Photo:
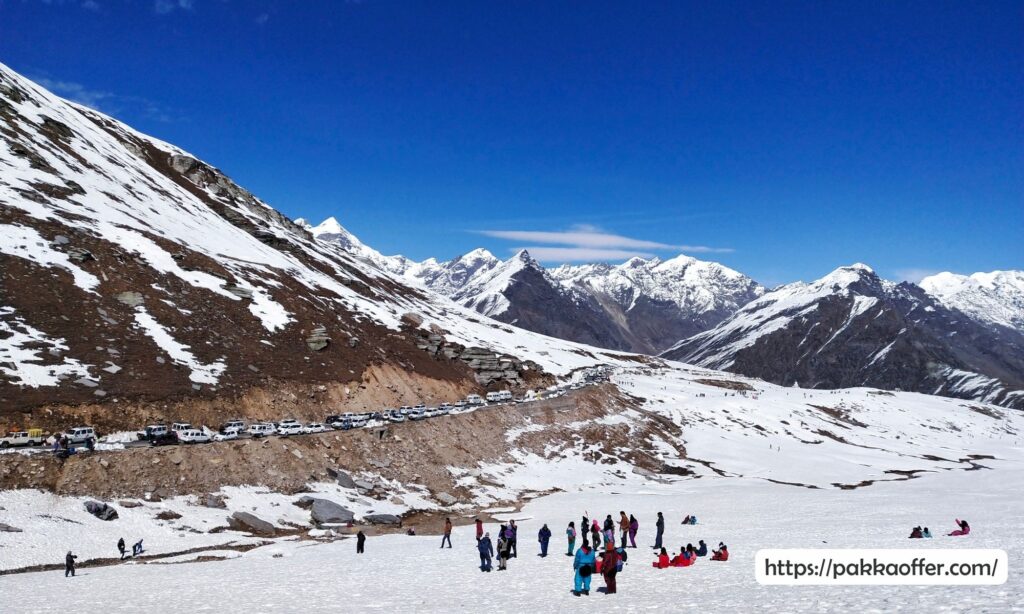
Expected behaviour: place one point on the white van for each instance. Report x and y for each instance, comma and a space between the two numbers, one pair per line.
261, 430
474, 399
499, 397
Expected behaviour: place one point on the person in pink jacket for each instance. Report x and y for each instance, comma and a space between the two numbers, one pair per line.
965, 529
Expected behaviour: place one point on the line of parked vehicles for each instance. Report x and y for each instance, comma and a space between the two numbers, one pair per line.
185, 433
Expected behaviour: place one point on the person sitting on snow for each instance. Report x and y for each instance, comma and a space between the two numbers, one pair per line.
662, 562
722, 554
702, 549
916, 533
965, 529
927, 533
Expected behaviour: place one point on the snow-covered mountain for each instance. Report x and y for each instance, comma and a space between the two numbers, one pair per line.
851, 328
640, 305
133, 273
995, 298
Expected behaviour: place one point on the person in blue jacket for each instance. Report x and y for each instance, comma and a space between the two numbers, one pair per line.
584, 564
570, 535
702, 548
544, 536
486, 552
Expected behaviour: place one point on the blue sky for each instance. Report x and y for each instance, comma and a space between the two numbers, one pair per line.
782, 139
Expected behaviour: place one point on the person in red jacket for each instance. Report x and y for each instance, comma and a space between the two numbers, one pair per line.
722, 554
662, 562
609, 567
479, 529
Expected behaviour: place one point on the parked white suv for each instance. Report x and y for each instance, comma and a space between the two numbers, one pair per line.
193, 436
261, 430
314, 427
81, 434
289, 428
33, 437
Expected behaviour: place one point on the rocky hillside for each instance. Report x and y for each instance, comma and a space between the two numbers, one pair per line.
851, 328
133, 274
640, 306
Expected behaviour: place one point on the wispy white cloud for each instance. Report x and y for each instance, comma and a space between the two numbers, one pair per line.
581, 254
163, 7
914, 275
104, 101
592, 237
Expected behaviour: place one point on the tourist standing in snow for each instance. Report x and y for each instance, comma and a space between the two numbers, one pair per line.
513, 539
137, 548
447, 533
609, 567
660, 526
121, 548
479, 528
595, 535
503, 549
544, 536
486, 551
623, 527
360, 542
634, 527
584, 565
69, 565
570, 536
585, 528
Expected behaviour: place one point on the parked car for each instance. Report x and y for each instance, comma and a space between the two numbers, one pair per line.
396, 416
314, 427
31, 437
416, 414
193, 436
181, 426
168, 438
81, 434
289, 428
474, 399
261, 430
226, 435
152, 431
233, 425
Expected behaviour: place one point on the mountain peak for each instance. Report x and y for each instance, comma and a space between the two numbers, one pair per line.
330, 226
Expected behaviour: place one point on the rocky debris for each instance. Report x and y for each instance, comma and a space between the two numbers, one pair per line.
353, 342
446, 498
250, 523
239, 291
168, 515
212, 500
132, 299
382, 519
380, 464
488, 366
364, 485
344, 479
127, 503
80, 255
328, 512
101, 510
318, 339
6, 528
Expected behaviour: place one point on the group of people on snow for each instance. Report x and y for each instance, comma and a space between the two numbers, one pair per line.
963, 529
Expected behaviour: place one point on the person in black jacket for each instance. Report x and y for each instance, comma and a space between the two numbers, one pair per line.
660, 525
360, 542
544, 536
121, 548
69, 565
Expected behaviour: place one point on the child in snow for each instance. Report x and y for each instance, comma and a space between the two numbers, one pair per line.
965, 529
663, 561
583, 565
722, 554
570, 536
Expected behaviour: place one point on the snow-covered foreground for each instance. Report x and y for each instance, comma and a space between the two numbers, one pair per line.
411, 574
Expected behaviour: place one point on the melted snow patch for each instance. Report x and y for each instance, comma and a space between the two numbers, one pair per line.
21, 348
179, 353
